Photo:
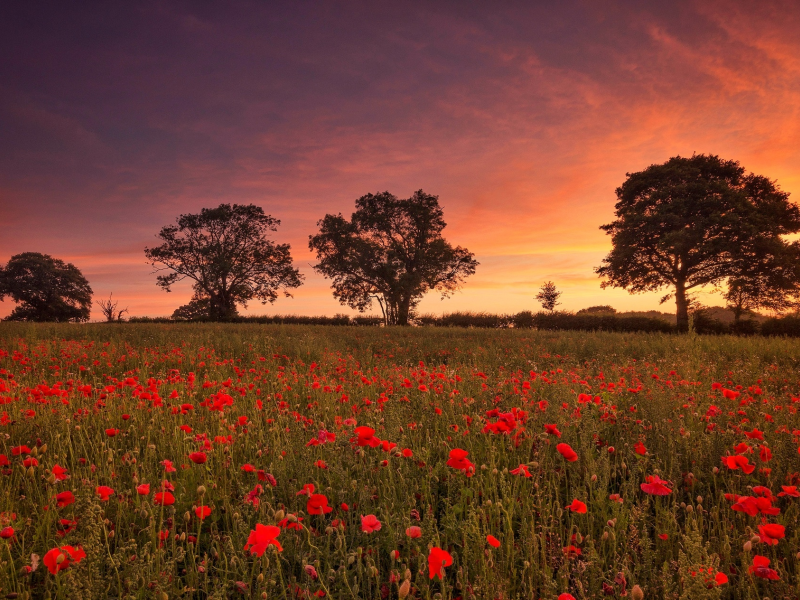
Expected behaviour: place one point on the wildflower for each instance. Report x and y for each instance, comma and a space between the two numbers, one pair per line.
370, 524
639, 448
318, 505
413, 532
493, 541
65, 498
567, 452
112, 432
552, 430
198, 458
789, 490
261, 537
760, 568
771, 533
202, 512
60, 473
577, 507
164, 499
104, 492
656, 486
7, 533
438, 559
458, 460
143, 489
61, 558
521, 470
738, 462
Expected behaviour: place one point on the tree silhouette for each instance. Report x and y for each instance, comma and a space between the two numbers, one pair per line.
392, 251
227, 255
45, 288
691, 222
548, 296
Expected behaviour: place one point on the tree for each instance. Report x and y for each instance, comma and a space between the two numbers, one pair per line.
548, 296
45, 288
773, 285
692, 222
109, 309
198, 309
225, 252
391, 250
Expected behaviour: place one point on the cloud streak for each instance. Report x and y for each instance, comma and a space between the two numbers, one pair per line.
524, 119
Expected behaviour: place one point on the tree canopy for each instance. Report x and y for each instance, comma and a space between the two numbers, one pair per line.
692, 222
45, 289
225, 252
391, 250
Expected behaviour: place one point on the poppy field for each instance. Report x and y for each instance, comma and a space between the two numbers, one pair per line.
227, 461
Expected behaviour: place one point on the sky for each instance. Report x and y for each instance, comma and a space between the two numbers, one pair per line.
523, 117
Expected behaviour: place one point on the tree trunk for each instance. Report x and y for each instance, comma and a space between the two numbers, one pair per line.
682, 312
403, 308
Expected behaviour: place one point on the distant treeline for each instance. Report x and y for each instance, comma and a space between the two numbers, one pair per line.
704, 322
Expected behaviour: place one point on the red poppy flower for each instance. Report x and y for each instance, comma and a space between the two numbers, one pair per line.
567, 452
771, 533
458, 460
407, 453
438, 559
7, 533
202, 512
656, 486
639, 448
247, 468
552, 430
17, 450
521, 470
261, 537
60, 473
493, 541
738, 462
760, 568
577, 507
566, 597
54, 562
789, 490
413, 532
318, 505
370, 524
143, 489
104, 492
112, 432
65, 498
765, 454
198, 458
164, 499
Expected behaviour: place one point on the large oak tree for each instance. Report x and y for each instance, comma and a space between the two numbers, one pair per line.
45, 289
391, 250
692, 222
226, 253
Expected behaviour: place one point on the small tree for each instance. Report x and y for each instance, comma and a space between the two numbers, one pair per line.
198, 309
227, 255
45, 288
392, 251
109, 309
548, 296
692, 222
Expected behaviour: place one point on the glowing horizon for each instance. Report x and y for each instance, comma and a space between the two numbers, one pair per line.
523, 120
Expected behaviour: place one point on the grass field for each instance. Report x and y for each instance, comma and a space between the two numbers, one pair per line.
203, 461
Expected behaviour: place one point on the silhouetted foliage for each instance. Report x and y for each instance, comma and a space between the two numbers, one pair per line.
227, 255
548, 296
45, 289
603, 309
692, 222
392, 251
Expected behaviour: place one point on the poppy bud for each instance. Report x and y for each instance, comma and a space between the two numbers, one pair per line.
404, 589
31, 472
35, 452
579, 537
43, 449
747, 546
689, 508
60, 558
279, 515
715, 470
407, 574
260, 578
201, 490
699, 499
755, 539
594, 478
187, 517
637, 593
605, 535
111, 534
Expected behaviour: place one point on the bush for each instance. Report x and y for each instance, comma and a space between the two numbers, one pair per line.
466, 319
567, 321
788, 326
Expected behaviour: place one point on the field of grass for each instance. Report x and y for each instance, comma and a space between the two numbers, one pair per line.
266, 461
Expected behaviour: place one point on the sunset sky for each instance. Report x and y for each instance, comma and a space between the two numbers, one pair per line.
523, 117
